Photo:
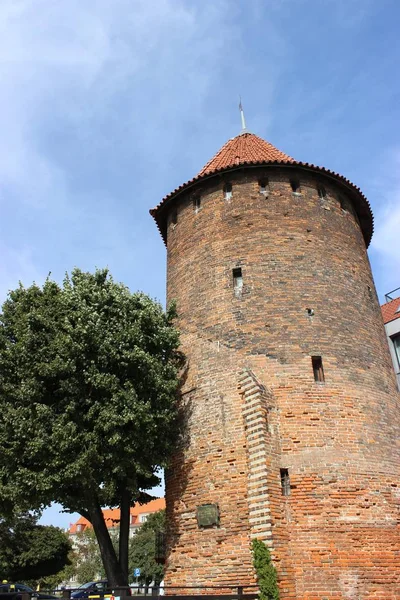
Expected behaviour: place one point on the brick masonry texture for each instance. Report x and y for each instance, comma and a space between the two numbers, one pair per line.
253, 406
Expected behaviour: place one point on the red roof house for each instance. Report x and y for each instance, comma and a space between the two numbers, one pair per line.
139, 514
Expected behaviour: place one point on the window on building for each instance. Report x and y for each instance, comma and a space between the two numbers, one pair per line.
143, 518
345, 204
237, 279
174, 217
228, 191
263, 186
197, 204
285, 482
321, 192
318, 368
396, 344
295, 185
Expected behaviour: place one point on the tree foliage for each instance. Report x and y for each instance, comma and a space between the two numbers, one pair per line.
266, 572
88, 382
52, 582
29, 551
89, 566
142, 549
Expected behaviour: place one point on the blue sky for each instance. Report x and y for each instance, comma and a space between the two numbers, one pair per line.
106, 107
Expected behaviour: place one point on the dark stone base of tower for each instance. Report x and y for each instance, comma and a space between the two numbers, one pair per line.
293, 409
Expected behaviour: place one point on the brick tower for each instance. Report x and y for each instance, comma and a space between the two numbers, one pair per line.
293, 414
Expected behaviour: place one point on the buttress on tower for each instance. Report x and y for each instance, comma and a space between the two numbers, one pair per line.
292, 406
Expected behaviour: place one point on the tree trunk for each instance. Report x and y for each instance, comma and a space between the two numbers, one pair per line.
124, 526
112, 567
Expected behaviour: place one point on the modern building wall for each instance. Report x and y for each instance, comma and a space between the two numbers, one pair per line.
254, 408
391, 318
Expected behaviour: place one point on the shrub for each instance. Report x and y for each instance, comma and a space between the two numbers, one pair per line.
265, 570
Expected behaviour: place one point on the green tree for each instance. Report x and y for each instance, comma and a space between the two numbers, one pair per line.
51, 582
29, 551
266, 572
142, 549
89, 565
88, 398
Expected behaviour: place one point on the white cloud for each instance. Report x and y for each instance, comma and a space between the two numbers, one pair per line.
64, 62
98, 82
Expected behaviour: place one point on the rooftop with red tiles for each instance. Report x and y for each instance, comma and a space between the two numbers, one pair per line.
242, 149
247, 150
112, 515
391, 310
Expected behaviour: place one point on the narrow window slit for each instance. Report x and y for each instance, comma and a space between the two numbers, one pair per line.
318, 368
345, 205
174, 217
322, 192
228, 191
197, 204
237, 280
295, 185
263, 186
285, 482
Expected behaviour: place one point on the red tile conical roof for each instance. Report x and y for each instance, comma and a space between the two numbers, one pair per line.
244, 149
247, 150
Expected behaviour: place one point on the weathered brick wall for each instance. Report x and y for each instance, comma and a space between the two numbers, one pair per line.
337, 535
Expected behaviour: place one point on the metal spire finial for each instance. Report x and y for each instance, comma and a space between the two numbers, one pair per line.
244, 130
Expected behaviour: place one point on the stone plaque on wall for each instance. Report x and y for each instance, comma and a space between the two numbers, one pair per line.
207, 515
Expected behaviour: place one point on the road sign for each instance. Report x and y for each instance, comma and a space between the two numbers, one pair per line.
136, 572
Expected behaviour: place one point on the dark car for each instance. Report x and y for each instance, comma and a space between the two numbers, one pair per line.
92, 588
20, 588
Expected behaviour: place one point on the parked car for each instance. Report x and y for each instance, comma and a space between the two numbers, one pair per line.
20, 587
90, 588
